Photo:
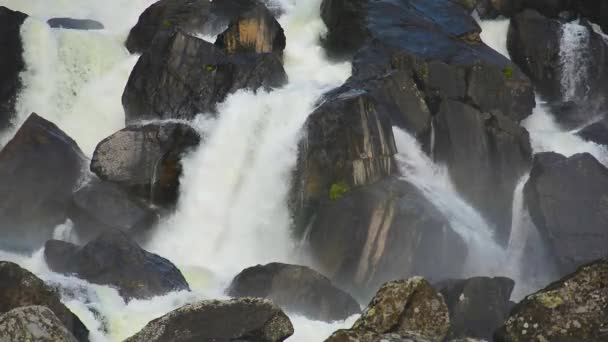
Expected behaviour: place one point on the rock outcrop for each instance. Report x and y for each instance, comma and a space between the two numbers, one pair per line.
596, 132
19, 288
246, 319
295, 289
75, 24
11, 63
403, 308
566, 198
146, 160
33, 323
39, 169
569, 310
100, 206
478, 306
393, 232
116, 260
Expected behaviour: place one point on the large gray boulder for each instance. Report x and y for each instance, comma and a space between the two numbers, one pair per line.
114, 259
33, 324
39, 169
297, 289
566, 198
20, 288
146, 160
11, 63
245, 319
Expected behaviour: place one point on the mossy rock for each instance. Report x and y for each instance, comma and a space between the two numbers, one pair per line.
338, 190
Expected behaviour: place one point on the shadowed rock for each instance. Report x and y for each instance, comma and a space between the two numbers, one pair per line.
75, 24
11, 63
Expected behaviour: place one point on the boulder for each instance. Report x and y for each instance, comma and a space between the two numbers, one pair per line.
489, 146
348, 143
571, 309
146, 160
11, 63
75, 24
245, 319
295, 289
404, 308
478, 306
347, 335
491, 9
114, 259
33, 323
209, 18
39, 169
20, 288
100, 206
596, 132
393, 232
185, 76
566, 198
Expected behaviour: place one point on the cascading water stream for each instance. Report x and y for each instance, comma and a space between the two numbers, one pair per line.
574, 56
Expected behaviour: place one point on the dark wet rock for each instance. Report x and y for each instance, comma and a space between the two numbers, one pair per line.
295, 289
596, 132
566, 198
115, 259
33, 323
187, 76
571, 309
75, 24
146, 159
404, 308
491, 9
575, 91
348, 143
204, 17
245, 319
19, 288
489, 146
39, 169
11, 63
100, 206
478, 306
393, 232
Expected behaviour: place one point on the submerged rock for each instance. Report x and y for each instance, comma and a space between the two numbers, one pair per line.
101, 206
404, 308
566, 198
186, 76
596, 132
571, 309
20, 288
11, 63
75, 24
33, 323
478, 306
246, 319
146, 159
114, 259
39, 169
296, 289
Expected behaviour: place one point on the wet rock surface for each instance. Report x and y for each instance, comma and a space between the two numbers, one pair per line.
116, 260
75, 24
33, 323
246, 319
11, 63
295, 288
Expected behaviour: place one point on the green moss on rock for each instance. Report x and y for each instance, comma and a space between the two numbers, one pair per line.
337, 190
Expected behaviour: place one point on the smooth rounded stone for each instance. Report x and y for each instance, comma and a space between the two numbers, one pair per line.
478, 306
393, 232
39, 169
75, 24
245, 319
19, 288
183, 76
99, 206
114, 259
296, 289
146, 160
571, 309
566, 198
11, 63
33, 324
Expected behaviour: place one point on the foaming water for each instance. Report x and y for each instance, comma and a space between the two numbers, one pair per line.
485, 255
494, 34
574, 55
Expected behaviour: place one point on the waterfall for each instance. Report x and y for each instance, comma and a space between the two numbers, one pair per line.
574, 56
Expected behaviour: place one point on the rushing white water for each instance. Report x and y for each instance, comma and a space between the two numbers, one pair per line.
494, 34
75, 78
485, 255
574, 58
